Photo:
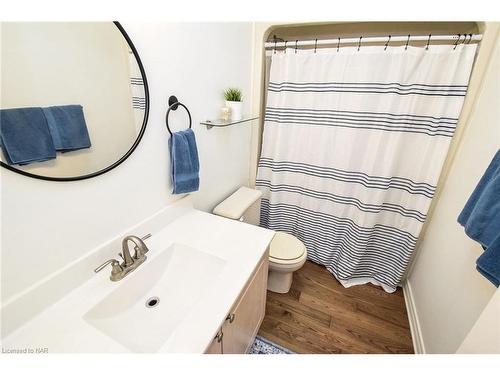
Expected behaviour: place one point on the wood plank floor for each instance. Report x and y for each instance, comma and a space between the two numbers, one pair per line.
319, 315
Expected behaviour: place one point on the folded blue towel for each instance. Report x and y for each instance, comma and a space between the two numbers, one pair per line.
185, 164
481, 219
67, 126
24, 136
488, 264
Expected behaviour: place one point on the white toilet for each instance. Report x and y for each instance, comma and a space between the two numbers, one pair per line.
286, 252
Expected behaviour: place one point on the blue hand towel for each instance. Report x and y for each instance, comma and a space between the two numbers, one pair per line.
68, 128
481, 219
185, 164
24, 136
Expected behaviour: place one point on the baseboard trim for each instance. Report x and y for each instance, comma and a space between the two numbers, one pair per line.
416, 332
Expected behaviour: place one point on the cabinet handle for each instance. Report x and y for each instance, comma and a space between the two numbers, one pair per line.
230, 317
219, 336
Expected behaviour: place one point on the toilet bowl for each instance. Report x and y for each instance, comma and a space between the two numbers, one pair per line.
287, 253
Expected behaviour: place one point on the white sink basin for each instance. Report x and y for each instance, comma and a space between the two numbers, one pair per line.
178, 277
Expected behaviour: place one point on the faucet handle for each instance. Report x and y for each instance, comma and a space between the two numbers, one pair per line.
114, 263
140, 251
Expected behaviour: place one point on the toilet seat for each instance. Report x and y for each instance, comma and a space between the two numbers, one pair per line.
286, 249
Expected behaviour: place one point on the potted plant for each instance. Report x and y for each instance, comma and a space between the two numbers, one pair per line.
233, 101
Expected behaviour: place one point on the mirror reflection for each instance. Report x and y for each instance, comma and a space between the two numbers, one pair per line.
72, 97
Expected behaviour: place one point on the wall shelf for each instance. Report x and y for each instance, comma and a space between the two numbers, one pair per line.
219, 123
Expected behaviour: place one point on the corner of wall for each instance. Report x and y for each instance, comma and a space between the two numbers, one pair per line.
416, 332
260, 32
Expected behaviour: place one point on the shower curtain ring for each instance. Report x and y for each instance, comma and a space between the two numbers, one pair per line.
470, 39
315, 45
407, 41
458, 40
296, 41
359, 43
275, 41
338, 44
386, 44
428, 41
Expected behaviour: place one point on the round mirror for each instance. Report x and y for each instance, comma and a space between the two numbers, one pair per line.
73, 98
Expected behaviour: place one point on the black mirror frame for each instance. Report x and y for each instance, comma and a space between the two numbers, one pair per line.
137, 140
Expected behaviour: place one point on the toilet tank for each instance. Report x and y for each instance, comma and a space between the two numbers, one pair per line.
243, 205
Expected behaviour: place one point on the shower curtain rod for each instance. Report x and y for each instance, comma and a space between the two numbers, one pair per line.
467, 38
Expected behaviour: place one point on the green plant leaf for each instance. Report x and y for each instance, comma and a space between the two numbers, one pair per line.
233, 95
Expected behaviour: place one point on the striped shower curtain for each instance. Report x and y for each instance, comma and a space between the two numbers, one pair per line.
354, 142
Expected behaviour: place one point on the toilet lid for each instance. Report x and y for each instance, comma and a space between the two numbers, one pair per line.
284, 246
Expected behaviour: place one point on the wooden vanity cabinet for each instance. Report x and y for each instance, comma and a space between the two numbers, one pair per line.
238, 332
216, 345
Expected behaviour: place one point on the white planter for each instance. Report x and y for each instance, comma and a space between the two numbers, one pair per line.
236, 110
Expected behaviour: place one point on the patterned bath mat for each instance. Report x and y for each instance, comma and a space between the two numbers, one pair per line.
263, 346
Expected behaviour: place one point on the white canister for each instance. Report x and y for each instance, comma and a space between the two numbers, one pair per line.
236, 110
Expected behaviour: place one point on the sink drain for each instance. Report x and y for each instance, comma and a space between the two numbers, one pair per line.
152, 302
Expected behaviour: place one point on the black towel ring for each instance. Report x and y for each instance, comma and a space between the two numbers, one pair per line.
173, 104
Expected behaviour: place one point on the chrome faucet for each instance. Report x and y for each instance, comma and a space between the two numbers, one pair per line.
130, 263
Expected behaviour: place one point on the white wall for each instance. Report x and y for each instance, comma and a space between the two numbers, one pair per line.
484, 337
46, 64
46, 225
448, 293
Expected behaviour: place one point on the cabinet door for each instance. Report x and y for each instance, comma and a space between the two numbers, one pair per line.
248, 313
216, 345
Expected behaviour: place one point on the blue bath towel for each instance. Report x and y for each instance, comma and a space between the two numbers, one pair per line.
185, 163
481, 220
24, 136
67, 126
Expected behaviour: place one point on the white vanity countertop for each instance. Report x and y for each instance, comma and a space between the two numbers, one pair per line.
62, 328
